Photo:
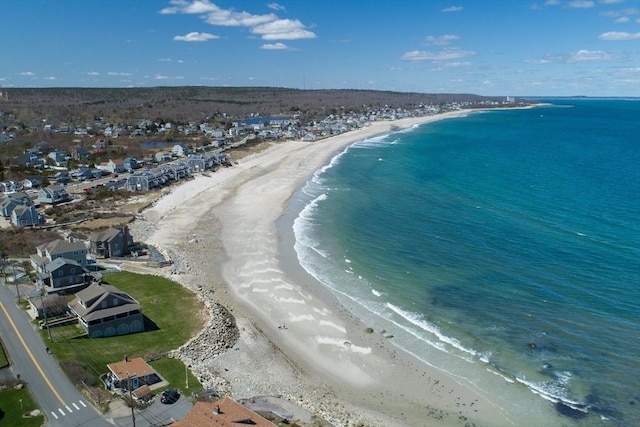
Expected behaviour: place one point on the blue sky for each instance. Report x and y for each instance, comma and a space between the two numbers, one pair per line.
486, 47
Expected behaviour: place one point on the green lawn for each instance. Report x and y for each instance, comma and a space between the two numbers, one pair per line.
14, 404
173, 370
172, 316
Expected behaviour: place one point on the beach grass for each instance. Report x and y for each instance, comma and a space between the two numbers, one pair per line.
172, 313
14, 405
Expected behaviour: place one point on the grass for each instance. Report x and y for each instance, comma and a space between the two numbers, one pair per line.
172, 316
173, 370
16, 403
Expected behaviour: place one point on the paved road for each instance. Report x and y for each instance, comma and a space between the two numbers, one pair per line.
60, 401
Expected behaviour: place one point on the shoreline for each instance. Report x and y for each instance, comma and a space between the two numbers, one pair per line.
234, 228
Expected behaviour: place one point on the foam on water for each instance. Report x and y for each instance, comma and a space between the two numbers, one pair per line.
523, 273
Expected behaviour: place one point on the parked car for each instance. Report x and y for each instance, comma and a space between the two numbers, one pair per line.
170, 395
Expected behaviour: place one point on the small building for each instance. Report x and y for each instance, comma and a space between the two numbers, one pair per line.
104, 310
130, 163
47, 306
131, 374
26, 216
53, 194
32, 182
224, 412
59, 158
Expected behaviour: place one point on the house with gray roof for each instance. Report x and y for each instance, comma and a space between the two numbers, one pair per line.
104, 310
69, 249
64, 274
53, 194
26, 216
112, 242
11, 201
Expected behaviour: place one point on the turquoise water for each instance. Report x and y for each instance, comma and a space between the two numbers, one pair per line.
504, 241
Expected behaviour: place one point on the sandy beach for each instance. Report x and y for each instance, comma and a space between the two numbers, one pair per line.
230, 236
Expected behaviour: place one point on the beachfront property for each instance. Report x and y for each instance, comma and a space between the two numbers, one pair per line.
103, 310
110, 243
224, 412
132, 374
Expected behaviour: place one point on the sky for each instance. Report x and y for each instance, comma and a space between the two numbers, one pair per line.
484, 47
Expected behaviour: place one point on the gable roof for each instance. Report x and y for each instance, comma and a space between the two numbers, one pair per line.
225, 412
60, 246
104, 235
136, 366
87, 303
59, 262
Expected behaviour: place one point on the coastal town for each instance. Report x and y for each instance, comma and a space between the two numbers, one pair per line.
93, 217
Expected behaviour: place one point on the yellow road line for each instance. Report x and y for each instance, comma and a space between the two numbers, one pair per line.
13, 325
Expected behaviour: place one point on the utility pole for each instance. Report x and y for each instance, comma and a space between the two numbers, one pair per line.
13, 268
133, 415
186, 375
44, 311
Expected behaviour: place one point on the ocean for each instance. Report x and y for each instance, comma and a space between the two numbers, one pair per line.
502, 247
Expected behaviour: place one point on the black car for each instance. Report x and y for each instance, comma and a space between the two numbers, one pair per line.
170, 395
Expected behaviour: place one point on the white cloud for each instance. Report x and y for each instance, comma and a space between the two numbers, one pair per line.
619, 35
611, 1
283, 29
115, 73
93, 73
268, 26
183, 6
274, 46
50, 78
196, 37
622, 20
552, 3
27, 73
275, 6
452, 9
440, 40
458, 64
581, 4
443, 55
163, 77
589, 55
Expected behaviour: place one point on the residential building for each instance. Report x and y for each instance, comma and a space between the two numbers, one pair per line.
12, 200
103, 311
131, 374
26, 216
69, 249
53, 194
64, 274
224, 412
112, 242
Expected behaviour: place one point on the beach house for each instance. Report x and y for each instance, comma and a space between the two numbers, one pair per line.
103, 310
